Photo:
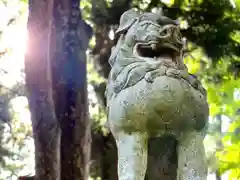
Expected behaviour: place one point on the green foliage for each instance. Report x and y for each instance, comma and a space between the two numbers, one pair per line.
222, 87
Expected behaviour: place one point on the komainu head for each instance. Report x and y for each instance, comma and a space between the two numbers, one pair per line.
148, 56
151, 35
149, 44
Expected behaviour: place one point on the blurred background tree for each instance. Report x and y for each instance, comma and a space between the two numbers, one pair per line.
212, 29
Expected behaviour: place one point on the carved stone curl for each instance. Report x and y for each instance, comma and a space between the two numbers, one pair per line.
151, 93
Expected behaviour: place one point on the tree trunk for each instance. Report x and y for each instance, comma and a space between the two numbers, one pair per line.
71, 37
55, 68
46, 131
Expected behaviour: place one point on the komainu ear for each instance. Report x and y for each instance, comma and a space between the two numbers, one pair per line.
126, 21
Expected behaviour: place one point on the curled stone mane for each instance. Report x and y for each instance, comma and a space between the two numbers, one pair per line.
127, 70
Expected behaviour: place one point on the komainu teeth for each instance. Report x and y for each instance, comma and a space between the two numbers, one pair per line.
153, 46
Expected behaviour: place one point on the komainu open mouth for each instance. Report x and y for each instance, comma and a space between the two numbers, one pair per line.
157, 51
166, 52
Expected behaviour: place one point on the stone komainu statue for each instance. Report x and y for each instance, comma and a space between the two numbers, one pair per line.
151, 94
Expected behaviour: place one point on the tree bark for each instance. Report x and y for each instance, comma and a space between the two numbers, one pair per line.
46, 131
71, 37
55, 66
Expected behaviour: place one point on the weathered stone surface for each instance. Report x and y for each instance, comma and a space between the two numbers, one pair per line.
151, 94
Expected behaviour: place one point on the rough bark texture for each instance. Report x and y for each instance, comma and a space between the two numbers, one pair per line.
71, 36
46, 130
57, 86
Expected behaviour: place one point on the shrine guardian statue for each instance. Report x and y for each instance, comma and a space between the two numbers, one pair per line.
150, 94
